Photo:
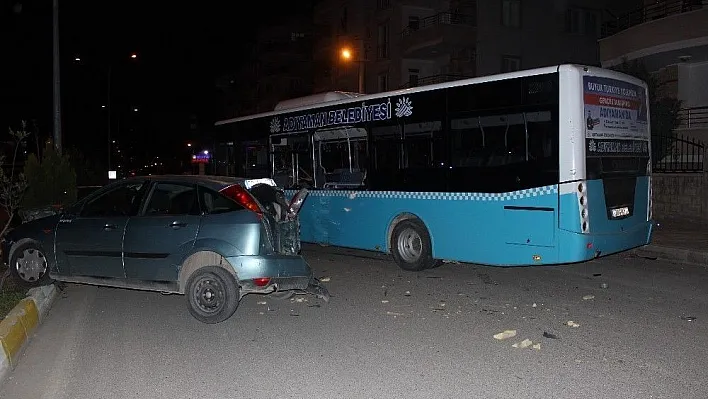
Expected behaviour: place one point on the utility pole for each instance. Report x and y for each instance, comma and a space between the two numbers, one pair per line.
57, 85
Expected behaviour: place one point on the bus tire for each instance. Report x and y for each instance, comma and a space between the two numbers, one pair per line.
411, 247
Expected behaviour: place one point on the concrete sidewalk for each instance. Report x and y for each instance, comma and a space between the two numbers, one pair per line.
678, 241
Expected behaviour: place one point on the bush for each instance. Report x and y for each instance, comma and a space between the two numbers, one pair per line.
51, 180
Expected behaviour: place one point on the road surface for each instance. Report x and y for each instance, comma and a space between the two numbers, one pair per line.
387, 333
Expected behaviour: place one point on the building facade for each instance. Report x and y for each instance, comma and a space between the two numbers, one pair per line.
402, 43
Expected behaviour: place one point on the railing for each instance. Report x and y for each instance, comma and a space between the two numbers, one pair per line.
696, 117
443, 18
677, 154
429, 80
658, 10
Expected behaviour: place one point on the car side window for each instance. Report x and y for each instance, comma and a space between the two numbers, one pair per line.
123, 200
214, 202
172, 199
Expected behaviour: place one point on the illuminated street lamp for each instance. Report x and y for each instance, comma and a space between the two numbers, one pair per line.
133, 55
346, 54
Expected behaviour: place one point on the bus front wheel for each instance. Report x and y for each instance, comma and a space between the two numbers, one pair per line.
411, 247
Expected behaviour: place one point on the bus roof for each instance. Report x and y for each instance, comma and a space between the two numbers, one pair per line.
336, 98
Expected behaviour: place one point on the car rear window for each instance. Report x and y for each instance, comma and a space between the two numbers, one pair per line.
214, 202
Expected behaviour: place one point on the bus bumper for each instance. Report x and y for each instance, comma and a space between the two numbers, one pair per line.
599, 245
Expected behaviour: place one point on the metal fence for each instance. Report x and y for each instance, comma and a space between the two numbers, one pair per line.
657, 10
677, 154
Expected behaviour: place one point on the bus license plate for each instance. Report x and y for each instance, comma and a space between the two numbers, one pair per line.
620, 212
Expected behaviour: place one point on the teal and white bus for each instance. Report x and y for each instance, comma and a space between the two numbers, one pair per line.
536, 167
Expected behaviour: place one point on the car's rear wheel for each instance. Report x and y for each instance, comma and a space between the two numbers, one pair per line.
212, 294
29, 266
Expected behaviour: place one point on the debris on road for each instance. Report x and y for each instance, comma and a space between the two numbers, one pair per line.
408, 293
325, 279
505, 335
549, 335
523, 344
537, 346
534, 305
688, 318
588, 297
262, 302
573, 324
384, 301
603, 285
394, 314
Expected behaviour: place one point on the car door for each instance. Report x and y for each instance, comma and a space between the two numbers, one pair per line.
90, 242
157, 240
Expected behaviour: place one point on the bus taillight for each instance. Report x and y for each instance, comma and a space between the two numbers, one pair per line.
583, 204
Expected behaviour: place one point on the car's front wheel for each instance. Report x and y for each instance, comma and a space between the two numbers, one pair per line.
29, 266
212, 294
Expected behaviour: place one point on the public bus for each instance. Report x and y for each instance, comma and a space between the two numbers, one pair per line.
536, 167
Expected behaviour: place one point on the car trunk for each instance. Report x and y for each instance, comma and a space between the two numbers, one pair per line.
280, 217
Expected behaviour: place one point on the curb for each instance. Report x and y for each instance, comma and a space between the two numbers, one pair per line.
17, 328
688, 256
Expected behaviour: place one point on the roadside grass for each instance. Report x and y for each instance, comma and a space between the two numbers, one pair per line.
10, 294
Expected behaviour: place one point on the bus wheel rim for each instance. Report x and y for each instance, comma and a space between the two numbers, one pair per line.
410, 245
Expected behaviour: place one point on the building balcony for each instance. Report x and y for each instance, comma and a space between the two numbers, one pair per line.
430, 80
660, 34
693, 118
437, 35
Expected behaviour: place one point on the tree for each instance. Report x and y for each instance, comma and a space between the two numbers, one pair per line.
664, 110
51, 179
12, 185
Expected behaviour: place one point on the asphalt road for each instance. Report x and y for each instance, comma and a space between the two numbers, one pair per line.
387, 333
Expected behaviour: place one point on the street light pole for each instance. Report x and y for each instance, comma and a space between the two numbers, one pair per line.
56, 73
361, 76
108, 104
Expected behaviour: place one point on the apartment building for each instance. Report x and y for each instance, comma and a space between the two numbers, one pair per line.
670, 37
392, 44
278, 65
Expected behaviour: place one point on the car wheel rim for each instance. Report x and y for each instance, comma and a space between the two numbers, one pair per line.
31, 265
209, 294
410, 245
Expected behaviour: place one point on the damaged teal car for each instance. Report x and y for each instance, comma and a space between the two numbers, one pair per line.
213, 239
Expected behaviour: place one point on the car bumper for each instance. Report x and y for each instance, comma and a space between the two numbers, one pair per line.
271, 266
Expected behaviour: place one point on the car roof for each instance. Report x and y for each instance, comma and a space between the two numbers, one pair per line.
213, 182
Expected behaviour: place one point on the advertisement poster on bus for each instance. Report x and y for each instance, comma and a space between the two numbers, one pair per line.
616, 116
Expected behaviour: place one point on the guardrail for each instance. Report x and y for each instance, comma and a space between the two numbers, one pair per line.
658, 10
695, 117
443, 18
429, 80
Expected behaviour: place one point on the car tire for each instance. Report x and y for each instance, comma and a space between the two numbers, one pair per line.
212, 294
29, 266
411, 247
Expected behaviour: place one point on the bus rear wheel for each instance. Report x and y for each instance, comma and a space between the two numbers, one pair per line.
411, 247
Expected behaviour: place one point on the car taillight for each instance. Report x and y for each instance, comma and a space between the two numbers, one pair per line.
261, 282
243, 197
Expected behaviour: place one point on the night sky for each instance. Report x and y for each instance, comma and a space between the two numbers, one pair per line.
180, 50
